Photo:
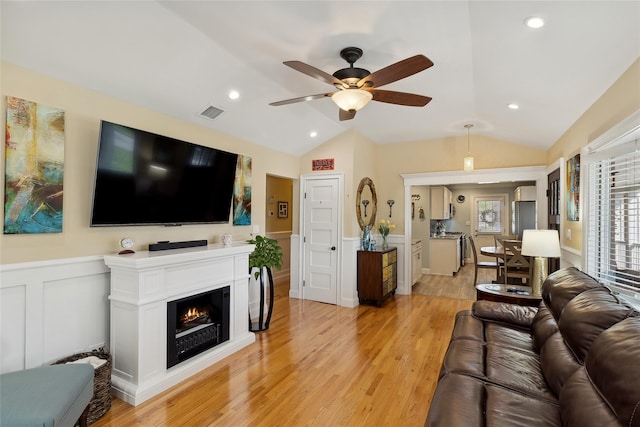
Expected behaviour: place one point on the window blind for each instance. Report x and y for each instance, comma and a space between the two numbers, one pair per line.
612, 173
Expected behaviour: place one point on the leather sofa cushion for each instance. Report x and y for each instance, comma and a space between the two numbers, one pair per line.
508, 408
605, 391
563, 285
511, 314
582, 406
508, 367
613, 367
558, 362
464, 356
465, 401
517, 370
542, 327
467, 326
496, 333
458, 401
587, 315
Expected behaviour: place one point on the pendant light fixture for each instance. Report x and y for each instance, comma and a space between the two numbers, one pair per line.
468, 161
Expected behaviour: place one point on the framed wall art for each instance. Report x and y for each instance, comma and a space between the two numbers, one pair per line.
283, 209
573, 188
242, 192
34, 167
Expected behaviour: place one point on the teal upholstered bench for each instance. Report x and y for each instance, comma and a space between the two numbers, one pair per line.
50, 396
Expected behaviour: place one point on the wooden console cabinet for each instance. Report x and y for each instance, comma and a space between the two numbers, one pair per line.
377, 275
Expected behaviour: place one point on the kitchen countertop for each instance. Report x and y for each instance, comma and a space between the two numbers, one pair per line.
447, 237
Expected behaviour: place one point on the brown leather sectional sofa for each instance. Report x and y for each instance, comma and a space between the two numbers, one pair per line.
574, 361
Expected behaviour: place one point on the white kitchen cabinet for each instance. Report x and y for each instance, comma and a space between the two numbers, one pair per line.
440, 203
416, 261
525, 193
445, 256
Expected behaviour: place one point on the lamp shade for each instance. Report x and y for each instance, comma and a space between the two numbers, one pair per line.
541, 243
351, 99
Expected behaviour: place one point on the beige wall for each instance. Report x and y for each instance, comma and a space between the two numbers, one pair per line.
83, 110
617, 103
354, 156
278, 190
442, 154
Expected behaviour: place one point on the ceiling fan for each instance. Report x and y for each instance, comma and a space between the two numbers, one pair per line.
357, 86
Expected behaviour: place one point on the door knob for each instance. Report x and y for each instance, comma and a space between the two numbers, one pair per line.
333, 248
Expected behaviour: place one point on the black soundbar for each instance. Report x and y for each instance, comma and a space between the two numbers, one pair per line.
163, 246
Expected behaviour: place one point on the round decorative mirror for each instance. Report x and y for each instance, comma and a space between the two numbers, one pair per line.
366, 203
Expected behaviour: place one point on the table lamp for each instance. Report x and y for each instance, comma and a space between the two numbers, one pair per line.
540, 245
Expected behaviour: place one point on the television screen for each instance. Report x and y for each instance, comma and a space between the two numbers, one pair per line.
148, 179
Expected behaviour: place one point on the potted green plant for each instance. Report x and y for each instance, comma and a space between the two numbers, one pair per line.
266, 255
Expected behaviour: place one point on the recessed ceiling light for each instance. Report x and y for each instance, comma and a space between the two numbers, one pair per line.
313, 134
513, 106
534, 22
234, 94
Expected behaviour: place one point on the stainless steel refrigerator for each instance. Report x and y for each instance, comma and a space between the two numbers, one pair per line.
523, 217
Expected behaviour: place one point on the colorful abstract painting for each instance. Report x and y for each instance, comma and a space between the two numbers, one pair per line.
573, 188
242, 192
34, 168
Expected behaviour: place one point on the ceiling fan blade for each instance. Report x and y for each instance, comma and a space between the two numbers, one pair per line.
397, 71
346, 115
300, 99
400, 98
314, 72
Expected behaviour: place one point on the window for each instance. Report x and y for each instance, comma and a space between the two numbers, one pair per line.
612, 173
490, 214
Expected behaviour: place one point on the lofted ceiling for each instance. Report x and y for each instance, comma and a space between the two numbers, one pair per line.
180, 57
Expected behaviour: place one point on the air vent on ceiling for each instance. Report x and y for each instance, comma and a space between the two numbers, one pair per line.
212, 112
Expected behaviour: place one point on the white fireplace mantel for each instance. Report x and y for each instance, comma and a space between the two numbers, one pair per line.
142, 284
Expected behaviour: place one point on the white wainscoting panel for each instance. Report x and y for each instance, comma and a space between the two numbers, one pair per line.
348, 288
52, 309
13, 306
295, 278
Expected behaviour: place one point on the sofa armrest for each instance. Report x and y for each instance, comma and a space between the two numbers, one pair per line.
513, 314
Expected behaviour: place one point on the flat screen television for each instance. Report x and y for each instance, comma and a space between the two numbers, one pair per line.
147, 179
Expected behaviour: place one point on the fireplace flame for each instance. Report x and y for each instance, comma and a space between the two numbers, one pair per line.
192, 314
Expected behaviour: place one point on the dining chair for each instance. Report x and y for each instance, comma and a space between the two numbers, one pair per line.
516, 265
498, 238
495, 265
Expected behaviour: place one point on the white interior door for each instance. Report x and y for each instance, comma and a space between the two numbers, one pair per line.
320, 240
490, 218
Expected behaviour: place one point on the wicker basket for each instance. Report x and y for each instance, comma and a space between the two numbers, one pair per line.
101, 401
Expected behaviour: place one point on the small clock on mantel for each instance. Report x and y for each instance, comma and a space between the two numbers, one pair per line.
126, 243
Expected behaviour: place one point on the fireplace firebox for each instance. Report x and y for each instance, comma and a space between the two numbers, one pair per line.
197, 323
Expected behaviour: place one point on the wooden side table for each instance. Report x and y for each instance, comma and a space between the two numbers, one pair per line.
377, 274
511, 294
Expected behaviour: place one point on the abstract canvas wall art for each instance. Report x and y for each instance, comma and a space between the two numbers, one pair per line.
34, 168
573, 188
242, 192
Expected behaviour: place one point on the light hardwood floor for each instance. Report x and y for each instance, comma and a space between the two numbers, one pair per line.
318, 365
458, 286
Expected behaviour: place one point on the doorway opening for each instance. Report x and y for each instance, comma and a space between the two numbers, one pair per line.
461, 183
279, 220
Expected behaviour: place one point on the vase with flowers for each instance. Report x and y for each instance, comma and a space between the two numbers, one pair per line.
384, 227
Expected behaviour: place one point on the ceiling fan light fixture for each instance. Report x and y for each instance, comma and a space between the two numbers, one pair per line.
351, 99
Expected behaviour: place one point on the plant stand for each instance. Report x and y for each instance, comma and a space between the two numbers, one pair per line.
263, 324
